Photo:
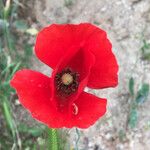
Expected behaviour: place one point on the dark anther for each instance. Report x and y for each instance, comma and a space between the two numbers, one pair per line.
66, 82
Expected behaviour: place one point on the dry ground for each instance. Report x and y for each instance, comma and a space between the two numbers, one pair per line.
126, 22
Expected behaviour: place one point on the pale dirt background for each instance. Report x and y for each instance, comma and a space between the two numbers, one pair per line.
126, 22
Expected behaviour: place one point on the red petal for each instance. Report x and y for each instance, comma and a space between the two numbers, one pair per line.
89, 109
33, 89
54, 41
104, 72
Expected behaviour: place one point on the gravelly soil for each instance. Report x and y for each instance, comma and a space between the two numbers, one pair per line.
126, 22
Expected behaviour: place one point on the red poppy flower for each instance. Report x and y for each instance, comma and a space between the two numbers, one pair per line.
80, 56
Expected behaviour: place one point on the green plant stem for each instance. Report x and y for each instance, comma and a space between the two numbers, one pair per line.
52, 139
78, 138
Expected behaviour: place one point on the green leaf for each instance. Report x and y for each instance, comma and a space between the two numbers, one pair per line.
16, 67
131, 86
10, 40
21, 25
145, 50
1, 49
32, 31
8, 116
1, 8
28, 50
5, 70
32, 131
7, 10
133, 117
35, 132
68, 3
3, 61
122, 135
142, 94
3, 24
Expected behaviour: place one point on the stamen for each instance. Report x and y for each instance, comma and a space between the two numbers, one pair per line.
75, 109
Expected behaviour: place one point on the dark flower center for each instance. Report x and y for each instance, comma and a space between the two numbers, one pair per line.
66, 82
